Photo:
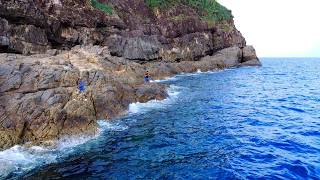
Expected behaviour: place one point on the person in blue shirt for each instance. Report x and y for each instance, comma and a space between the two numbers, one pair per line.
81, 86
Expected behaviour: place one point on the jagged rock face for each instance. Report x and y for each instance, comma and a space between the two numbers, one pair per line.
28, 39
180, 30
140, 47
227, 35
188, 47
59, 23
134, 31
135, 14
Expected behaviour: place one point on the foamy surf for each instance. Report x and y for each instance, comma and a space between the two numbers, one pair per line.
115, 126
21, 159
173, 92
167, 79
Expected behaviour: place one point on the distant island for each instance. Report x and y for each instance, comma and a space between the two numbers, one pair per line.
49, 47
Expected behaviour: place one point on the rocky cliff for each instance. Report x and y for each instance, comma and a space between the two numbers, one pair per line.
47, 46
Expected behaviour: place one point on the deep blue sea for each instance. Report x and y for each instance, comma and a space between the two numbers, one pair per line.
245, 123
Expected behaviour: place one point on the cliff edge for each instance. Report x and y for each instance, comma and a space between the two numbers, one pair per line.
47, 46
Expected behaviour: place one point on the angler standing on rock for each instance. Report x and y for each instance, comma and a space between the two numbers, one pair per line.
81, 86
82, 89
146, 77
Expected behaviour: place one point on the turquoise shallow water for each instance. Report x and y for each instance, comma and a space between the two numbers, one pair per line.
245, 123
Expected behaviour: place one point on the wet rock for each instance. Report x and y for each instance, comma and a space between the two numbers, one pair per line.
108, 102
150, 91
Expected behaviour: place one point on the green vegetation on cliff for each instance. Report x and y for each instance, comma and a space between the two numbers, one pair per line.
103, 7
210, 10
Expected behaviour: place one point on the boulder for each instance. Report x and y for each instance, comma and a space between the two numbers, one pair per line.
249, 53
249, 57
229, 57
150, 91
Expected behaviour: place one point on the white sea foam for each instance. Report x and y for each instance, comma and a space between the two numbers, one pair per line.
173, 78
67, 143
21, 159
115, 126
173, 93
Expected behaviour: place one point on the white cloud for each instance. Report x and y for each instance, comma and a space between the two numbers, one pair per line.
279, 27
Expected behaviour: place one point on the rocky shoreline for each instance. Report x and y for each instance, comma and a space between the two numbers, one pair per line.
49, 46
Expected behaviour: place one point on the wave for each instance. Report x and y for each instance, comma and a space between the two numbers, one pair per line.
173, 92
22, 158
19, 159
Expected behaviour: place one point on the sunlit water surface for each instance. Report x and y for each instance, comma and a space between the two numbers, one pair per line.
242, 123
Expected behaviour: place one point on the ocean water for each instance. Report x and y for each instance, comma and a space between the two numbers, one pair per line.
246, 123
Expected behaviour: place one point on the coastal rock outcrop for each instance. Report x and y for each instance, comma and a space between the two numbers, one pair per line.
47, 47
249, 57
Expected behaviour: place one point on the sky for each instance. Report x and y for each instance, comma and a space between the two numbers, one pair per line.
279, 28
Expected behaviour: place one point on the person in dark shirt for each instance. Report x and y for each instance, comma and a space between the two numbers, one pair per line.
146, 77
